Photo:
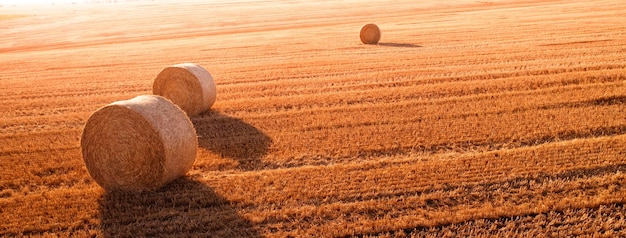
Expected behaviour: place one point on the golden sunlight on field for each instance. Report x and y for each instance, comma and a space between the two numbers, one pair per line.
468, 118
10, 17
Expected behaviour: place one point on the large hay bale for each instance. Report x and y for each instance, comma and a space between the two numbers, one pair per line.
188, 85
370, 34
138, 144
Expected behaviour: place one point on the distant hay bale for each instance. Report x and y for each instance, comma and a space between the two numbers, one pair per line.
370, 34
138, 144
188, 85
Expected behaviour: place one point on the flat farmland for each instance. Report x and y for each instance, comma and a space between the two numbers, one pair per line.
469, 118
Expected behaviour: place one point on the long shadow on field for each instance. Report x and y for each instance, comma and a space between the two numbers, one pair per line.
402, 45
232, 138
183, 208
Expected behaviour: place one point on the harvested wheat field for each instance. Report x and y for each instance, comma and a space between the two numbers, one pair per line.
468, 118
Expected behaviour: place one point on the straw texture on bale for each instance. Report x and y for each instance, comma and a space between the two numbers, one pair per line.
188, 85
138, 144
370, 34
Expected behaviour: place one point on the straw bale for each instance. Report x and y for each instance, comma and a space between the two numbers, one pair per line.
370, 34
188, 85
138, 144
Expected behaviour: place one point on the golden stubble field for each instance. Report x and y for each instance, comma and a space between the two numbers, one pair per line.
469, 118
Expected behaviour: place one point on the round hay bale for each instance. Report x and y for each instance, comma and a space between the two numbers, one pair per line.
370, 34
188, 85
138, 144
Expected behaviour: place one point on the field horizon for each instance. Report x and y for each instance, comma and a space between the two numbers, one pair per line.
469, 118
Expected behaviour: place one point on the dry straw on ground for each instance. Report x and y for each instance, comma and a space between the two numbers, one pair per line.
370, 34
138, 144
188, 85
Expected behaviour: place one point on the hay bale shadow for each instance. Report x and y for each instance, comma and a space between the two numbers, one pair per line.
401, 45
183, 208
232, 138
